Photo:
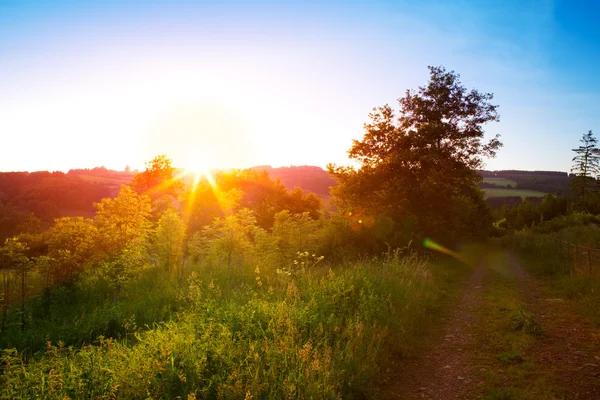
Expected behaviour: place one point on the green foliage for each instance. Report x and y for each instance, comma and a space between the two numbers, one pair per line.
225, 241
523, 320
71, 243
231, 191
544, 215
169, 241
325, 334
123, 229
78, 315
509, 357
545, 257
501, 394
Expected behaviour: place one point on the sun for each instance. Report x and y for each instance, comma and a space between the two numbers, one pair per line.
200, 171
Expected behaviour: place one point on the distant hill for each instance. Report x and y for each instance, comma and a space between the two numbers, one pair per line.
513, 186
543, 182
306, 177
109, 178
509, 184
48, 195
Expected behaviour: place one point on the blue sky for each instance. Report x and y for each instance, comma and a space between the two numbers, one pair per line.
236, 84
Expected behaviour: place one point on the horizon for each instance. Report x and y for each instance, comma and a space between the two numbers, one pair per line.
136, 170
280, 84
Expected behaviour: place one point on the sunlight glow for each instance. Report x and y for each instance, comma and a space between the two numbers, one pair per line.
200, 173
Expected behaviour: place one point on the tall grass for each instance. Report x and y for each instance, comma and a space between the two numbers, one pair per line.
80, 314
327, 332
541, 254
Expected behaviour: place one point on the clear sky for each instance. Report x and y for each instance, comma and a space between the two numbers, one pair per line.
240, 83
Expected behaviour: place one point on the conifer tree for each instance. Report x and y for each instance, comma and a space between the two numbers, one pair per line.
586, 166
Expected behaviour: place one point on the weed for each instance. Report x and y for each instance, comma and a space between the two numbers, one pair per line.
510, 357
522, 320
501, 394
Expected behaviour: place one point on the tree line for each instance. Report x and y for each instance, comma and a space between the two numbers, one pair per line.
554, 212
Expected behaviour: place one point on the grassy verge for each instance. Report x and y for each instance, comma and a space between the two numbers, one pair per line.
543, 257
325, 333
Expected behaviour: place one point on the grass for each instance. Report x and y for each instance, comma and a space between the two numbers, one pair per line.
543, 257
497, 192
326, 333
500, 181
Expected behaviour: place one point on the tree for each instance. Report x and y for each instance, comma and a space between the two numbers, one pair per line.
21, 265
418, 166
157, 181
157, 178
170, 235
123, 229
586, 166
71, 247
225, 240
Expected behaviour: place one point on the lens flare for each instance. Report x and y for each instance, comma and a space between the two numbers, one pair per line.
430, 244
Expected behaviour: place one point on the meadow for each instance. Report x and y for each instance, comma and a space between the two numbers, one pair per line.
255, 303
523, 193
326, 331
500, 181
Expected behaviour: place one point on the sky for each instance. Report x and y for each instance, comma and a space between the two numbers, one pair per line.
234, 84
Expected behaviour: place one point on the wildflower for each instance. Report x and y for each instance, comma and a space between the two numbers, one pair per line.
304, 352
315, 365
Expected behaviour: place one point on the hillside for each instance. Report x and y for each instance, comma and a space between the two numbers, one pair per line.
554, 182
502, 186
307, 177
49, 195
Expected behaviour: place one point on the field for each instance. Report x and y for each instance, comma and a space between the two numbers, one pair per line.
500, 181
325, 333
106, 180
496, 192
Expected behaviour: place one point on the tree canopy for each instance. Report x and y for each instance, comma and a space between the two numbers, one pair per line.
418, 165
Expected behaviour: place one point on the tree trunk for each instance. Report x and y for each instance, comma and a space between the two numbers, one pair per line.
117, 293
23, 301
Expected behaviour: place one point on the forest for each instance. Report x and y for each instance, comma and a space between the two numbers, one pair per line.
272, 283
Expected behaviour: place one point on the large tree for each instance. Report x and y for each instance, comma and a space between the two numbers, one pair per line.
586, 166
417, 171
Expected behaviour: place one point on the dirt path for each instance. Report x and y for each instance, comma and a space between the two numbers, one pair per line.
444, 370
476, 352
570, 346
